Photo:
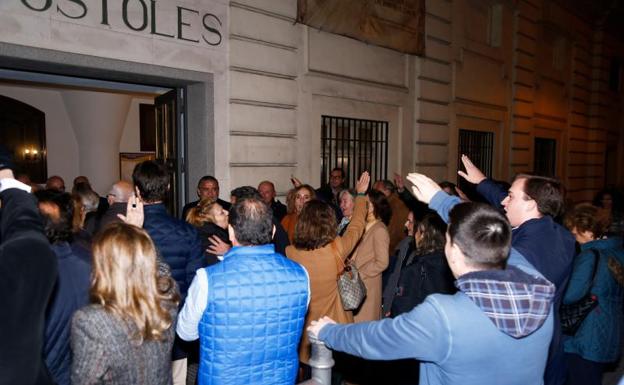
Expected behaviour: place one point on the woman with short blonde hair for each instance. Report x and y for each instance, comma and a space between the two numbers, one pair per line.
125, 336
211, 220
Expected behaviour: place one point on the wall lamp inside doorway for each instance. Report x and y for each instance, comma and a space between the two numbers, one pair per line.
31, 154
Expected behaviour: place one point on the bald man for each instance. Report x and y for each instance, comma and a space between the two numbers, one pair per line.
117, 198
267, 192
56, 183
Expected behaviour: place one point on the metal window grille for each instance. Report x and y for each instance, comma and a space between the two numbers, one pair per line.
545, 157
355, 145
479, 146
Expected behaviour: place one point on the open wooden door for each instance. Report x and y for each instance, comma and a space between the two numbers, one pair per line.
170, 144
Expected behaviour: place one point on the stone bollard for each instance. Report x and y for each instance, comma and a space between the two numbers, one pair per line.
321, 362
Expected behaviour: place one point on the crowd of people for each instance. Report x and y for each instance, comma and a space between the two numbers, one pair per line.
115, 290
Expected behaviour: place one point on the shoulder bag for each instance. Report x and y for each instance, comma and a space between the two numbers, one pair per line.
572, 315
350, 285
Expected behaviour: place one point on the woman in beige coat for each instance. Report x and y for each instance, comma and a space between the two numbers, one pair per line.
371, 256
322, 253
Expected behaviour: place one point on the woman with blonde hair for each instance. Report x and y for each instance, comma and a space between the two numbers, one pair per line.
211, 220
125, 336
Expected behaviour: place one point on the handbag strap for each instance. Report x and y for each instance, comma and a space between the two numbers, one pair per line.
340, 265
596, 261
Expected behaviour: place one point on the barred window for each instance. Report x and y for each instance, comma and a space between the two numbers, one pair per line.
355, 145
479, 147
545, 157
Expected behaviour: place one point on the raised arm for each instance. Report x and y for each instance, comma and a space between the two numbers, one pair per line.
428, 191
490, 190
356, 227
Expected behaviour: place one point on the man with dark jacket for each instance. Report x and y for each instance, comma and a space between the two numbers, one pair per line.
177, 242
207, 188
28, 270
266, 189
530, 205
71, 291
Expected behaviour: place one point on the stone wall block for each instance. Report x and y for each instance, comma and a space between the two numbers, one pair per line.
264, 150
267, 89
253, 118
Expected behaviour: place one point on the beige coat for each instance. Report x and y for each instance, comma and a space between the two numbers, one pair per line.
371, 259
323, 266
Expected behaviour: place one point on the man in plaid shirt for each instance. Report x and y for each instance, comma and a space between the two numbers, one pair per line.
495, 330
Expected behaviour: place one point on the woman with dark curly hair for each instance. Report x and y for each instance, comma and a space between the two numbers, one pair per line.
611, 201
371, 256
598, 269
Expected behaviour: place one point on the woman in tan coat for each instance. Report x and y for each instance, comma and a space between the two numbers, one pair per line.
322, 253
371, 256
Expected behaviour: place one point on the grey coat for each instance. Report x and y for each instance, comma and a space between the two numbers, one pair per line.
105, 354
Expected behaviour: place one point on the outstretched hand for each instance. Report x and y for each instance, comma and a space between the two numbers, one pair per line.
315, 326
398, 182
362, 184
134, 212
295, 181
472, 174
424, 188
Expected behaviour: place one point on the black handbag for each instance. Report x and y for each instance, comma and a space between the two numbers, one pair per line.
572, 315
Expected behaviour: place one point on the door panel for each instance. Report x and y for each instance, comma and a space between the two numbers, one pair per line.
169, 143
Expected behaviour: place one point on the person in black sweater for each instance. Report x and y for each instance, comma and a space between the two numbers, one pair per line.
28, 270
210, 219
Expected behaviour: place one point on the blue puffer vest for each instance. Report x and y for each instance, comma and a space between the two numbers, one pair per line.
250, 330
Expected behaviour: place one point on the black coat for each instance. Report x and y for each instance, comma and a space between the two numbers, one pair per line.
421, 276
28, 270
205, 232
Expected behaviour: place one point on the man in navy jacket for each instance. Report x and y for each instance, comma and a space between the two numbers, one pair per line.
530, 205
71, 291
177, 242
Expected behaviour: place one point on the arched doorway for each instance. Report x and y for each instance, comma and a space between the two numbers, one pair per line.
22, 131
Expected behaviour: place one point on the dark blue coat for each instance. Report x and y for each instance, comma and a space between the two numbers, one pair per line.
599, 338
177, 243
71, 292
549, 247
27, 274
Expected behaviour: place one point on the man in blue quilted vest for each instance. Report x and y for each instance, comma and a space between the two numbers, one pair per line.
247, 311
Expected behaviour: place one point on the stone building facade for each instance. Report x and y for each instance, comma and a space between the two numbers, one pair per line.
258, 83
